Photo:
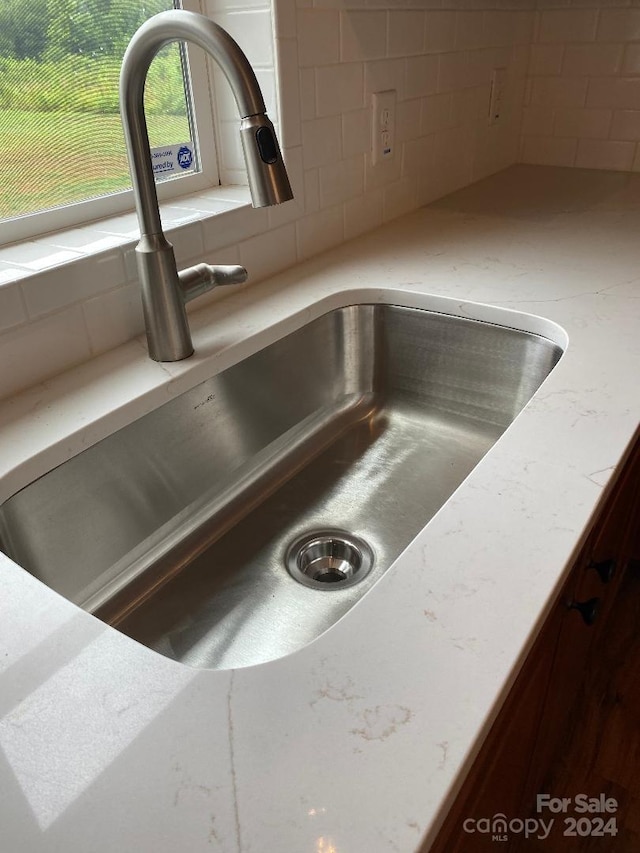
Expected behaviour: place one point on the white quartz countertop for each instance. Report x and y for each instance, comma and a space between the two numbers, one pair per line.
357, 742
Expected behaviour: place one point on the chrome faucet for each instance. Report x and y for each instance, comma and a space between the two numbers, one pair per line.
165, 291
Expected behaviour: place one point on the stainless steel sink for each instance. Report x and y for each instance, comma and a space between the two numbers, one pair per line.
239, 521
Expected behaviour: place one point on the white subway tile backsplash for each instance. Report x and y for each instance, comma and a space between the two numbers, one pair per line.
499, 28
496, 145
45, 293
440, 31
363, 35
626, 125
341, 181
519, 62
321, 141
560, 92
217, 6
480, 64
33, 352
453, 154
384, 74
417, 155
546, 60
12, 309
549, 151
592, 60
592, 45
605, 154
114, 318
400, 198
631, 61
619, 25
583, 123
421, 76
356, 131
469, 30
320, 231
269, 253
234, 226
252, 29
318, 36
436, 113
470, 104
230, 150
382, 174
311, 191
290, 99
525, 27
568, 25
614, 93
307, 94
406, 33
362, 214
187, 241
339, 88
408, 114
284, 18
452, 71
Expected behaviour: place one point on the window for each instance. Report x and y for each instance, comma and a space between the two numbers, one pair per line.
63, 155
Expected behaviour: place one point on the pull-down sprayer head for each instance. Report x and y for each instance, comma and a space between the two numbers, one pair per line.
268, 180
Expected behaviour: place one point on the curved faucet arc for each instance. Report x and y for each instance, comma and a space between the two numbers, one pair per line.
164, 289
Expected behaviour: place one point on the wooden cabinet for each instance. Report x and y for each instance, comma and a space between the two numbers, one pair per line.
515, 758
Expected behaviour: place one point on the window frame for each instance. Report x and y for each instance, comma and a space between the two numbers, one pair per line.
30, 226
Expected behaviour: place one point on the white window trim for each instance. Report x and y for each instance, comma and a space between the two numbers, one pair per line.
34, 225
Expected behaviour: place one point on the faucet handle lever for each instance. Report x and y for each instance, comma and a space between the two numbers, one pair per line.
199, 279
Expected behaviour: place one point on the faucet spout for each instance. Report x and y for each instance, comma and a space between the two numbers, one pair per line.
163, 291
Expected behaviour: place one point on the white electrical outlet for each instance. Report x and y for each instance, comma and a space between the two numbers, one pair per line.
496, 96
383, 141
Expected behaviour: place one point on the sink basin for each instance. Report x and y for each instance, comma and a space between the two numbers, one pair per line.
236, 523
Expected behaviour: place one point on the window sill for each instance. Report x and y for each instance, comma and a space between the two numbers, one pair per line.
40, 277
58, 248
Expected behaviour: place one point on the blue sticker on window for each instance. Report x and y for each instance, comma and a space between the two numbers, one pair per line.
185, 157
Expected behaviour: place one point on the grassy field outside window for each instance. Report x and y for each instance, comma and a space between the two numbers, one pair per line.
60, 132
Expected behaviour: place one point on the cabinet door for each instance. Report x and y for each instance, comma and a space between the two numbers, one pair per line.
596, 578
496, 782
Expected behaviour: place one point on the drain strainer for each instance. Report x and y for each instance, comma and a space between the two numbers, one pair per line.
329, 559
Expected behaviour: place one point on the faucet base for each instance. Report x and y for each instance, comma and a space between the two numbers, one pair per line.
168, 334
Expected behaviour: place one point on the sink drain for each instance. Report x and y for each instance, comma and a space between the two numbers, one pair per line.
329, 559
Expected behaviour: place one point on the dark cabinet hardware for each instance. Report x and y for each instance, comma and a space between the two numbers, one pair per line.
587, 609
606, 569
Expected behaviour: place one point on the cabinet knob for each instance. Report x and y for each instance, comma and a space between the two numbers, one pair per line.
587, 609
606, 569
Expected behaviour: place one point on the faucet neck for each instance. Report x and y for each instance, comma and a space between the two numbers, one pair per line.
158, 31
